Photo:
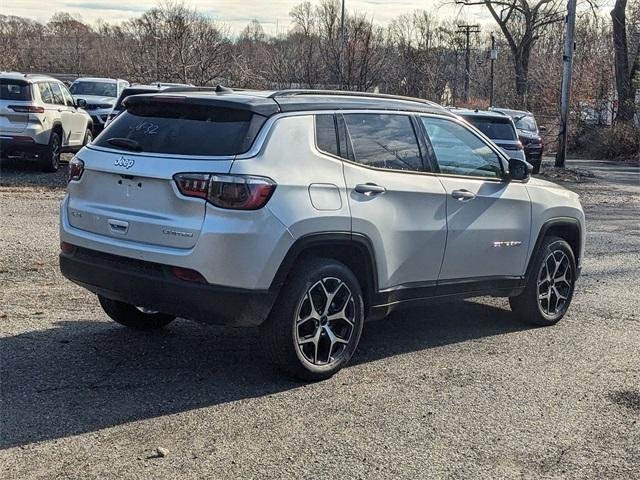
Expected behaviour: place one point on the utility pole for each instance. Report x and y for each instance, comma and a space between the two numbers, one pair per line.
567, 59
341, 53
467, 30
157, 60
493, 55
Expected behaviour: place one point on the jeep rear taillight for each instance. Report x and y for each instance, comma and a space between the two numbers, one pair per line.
76, 169
236, 192
26, 108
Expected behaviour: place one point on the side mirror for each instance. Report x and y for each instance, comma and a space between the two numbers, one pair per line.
81, 103
519, 169
542, 129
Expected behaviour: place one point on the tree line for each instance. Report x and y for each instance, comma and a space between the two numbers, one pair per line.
418, 54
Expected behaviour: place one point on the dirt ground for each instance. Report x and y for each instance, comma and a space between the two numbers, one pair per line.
458, 390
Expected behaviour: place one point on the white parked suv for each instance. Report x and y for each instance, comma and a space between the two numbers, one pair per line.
100, 94
39, 116
306, 212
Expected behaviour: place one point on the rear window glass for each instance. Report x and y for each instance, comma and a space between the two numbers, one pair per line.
494, 128
14, 90
527, 123
185, 129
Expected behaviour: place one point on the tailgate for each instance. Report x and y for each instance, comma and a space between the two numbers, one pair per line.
11, 121
14, 91
134, 198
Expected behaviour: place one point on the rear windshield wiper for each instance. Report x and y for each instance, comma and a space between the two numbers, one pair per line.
125, 143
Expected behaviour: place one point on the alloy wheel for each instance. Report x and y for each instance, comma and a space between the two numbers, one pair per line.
325, 321
55, 152
554, 284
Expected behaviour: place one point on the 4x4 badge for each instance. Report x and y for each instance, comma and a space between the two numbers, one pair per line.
124, 162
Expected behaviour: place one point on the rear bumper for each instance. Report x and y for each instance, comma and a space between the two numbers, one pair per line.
153, 286
533, 152
9, 146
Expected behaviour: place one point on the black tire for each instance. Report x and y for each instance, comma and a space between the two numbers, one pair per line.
315, 277
536, 167
88, 137
50, 159
533, 306
131, 317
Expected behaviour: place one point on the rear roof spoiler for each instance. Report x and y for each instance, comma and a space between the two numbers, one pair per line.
259, 105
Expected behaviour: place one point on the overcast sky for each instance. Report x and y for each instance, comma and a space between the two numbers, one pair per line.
273, 14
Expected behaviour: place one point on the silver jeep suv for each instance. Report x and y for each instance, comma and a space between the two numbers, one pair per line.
39, 116
306, 212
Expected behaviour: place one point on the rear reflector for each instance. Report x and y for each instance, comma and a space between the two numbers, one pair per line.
67, 247
26, 108
235, 192
21, 138
188, 275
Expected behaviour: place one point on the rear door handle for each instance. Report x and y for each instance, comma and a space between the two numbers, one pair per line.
370, 189
463, 195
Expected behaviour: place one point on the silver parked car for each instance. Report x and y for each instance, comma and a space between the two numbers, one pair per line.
306, 212
40, 118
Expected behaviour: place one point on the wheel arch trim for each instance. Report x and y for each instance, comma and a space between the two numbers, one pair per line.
569, 222
313, 241
57, 126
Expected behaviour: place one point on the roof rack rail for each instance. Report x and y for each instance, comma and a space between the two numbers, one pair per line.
216, 89
347, 93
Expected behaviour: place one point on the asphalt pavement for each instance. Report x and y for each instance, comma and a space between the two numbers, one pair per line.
457, 390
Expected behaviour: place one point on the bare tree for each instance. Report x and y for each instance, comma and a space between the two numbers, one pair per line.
68, 51
305, 34
625, 73
522, 23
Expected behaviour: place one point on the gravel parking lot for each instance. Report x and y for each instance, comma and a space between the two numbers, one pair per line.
459, 390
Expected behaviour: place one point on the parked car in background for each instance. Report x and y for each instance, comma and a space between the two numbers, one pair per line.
40, 118
528, 133
498, 127
306, 212
118, 107
100, 95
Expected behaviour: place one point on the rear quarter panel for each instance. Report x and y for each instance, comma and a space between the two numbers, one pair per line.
310, 196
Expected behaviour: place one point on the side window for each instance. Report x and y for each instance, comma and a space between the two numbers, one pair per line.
384, 141
459, 151
326, 138
68, 99
45, 92
58, 98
